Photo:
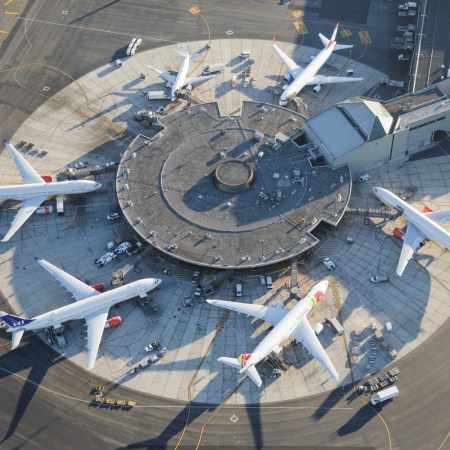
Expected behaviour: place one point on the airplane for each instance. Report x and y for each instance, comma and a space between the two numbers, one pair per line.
421, 226
308, 75
35, 190
286, 323
91, 305
181, 80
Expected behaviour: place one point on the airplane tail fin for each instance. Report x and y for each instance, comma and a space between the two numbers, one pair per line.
240, 364
16, 324
333, 36
14, 321
327, 42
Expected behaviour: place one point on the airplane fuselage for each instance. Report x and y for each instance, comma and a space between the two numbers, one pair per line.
82, 308
181, 78
431, 229
286, 326
24, 191
307, 74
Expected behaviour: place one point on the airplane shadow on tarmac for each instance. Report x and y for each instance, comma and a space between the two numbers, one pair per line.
184, 421
28, 357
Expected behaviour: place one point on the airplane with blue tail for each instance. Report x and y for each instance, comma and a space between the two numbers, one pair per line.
91, 305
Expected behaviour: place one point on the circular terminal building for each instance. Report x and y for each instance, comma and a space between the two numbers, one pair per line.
229, 192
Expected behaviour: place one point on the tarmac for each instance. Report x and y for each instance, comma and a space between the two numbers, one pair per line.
92, 120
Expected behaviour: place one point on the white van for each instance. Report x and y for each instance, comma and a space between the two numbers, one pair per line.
269, 282
245, 54
238, 290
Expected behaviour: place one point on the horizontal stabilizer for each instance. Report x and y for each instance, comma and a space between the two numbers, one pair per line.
16, 338
183, 55
341, 47
253, 375
232, 362
325, 41
239, 364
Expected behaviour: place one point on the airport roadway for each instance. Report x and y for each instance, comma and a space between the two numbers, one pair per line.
45, 401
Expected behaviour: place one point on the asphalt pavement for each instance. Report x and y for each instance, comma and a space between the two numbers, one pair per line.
46, 400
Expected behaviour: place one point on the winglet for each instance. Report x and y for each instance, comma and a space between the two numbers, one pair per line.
5, 141
273, 39
37, 258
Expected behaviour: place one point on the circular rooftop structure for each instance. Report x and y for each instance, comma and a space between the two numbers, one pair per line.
229, 192
233, 176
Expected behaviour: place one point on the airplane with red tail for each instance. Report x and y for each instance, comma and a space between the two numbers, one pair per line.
287, 323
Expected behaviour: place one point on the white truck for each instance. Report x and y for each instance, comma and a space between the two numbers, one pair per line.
156, 95
213, 68
60, 206
385, 394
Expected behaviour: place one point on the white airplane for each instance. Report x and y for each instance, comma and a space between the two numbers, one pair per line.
286, 323
308, 75
35, 190
91, 305
421, 226
181, 80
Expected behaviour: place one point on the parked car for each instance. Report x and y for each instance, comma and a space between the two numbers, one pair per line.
269, 282
379, 279
162, 351
262, 280
328, 264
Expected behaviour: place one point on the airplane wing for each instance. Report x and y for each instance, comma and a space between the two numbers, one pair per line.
79, 290
195, 80
164, 75
268, 313
322, 79
28, 174
27, 208
305, 334
95, 325
439, 217
292, 66
411, 242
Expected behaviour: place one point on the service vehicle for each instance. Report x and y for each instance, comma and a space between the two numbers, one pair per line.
113, 216
135, 248
238, 290
379, 279
213, 68
60, 206
100, 287
328, 264
157, 95
81, 165
384, 395
113, 322
334, 323
196, 277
